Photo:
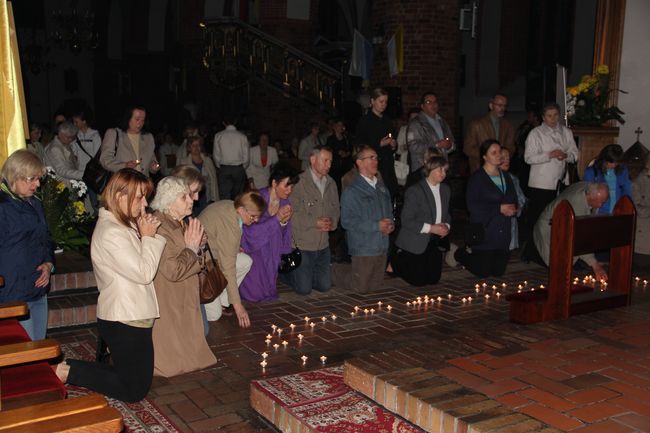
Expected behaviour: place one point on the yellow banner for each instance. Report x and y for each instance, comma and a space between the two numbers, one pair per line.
13, 117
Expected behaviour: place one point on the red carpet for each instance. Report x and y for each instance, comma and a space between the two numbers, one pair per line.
321, 401
142, 417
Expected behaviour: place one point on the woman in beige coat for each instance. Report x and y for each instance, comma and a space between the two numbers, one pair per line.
178, 339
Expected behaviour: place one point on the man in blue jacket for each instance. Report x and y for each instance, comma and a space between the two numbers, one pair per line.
367, 217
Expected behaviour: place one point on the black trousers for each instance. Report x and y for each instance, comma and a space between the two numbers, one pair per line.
538, 199
232, 181
130, 376
483, 263
419, 269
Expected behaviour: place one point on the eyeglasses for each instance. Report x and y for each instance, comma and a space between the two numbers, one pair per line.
373, 157
430, 102
253, 218
32, 179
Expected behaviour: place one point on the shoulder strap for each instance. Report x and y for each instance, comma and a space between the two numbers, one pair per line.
82, 148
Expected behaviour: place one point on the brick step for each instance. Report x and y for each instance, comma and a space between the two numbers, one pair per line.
73, 309
431, 401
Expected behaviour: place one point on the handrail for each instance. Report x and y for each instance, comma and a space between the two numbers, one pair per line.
236, 52
304, 56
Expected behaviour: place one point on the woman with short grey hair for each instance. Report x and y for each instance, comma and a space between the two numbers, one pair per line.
178, 338
59, 155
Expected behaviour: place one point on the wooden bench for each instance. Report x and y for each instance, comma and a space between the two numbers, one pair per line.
35, 401
573, 236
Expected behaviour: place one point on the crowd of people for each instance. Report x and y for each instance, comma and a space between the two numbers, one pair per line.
250, 207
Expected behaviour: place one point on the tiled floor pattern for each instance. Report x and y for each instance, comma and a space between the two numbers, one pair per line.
217, 399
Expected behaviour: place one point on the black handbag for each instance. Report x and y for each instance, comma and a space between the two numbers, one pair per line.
290, 261
95, 175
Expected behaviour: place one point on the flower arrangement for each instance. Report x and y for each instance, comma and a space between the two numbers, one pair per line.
587, 101
65, 213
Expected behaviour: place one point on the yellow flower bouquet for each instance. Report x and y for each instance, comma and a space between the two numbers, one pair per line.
587, 101
65, 213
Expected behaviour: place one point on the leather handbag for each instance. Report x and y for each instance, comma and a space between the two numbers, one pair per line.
290, 261
95, 175
212, 281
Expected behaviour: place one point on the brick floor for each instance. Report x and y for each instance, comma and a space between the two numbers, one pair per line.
532, 369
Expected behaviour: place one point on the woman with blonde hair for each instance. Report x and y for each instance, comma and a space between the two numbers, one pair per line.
178, 339
125, 253
26, 248
223, 223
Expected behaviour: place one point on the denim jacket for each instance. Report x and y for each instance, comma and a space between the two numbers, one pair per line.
362, 207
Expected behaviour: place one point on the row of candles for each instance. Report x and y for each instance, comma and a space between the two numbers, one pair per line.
418, 301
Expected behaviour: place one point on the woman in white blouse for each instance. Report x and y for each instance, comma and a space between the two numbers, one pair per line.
262, 158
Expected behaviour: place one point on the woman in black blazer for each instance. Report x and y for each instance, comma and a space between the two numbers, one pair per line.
425, 221
491, 201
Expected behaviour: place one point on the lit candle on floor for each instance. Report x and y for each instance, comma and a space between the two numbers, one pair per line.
263, 363
487, 296
300, 337
333, 316
265, 355
464, 300
469, 299
389, 308
323, 319
269, 336
408, 304
274, 327
498, 294
439, 298
268, 341
285, 343
504, 285
372, 311
306, 318
279, 331
365, 310
323, 359
356, 308
449, 296
494, 286
292, 326
304, 359
525, 283
477, 290
275, 346
312, 324
379, 303
477, 286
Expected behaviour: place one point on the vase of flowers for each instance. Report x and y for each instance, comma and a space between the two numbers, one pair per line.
65, 213
587, 101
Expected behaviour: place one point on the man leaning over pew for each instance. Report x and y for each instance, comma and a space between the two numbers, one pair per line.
585, 199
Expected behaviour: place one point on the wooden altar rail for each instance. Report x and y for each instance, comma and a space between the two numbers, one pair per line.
572, 236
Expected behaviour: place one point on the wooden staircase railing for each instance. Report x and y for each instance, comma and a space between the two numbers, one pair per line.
236, 52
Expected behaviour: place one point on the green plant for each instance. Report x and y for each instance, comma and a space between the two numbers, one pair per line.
65, 213
587, 101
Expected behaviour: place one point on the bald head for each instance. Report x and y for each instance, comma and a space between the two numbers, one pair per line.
597, 194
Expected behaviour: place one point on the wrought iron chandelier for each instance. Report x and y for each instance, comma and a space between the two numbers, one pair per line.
74, 29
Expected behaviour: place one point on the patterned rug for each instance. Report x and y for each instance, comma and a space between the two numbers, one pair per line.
142, 417
322, 402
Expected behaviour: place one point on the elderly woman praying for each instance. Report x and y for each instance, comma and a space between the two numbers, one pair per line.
178, 338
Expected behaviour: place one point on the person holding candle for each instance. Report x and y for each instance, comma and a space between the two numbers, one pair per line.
425, 221
492, 202
129, 145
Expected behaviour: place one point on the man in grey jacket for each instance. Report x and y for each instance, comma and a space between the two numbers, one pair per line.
316, 212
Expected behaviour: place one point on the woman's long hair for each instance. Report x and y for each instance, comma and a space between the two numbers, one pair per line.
610, 153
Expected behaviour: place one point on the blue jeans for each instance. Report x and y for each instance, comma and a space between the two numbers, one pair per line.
313, 273
36, 324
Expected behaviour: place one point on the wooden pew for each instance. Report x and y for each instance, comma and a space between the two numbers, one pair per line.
84, 414
572, 236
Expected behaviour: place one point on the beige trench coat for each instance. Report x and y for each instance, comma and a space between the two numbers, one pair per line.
178, 340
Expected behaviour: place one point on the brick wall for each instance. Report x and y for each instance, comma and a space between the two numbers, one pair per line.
297, 33
431, 51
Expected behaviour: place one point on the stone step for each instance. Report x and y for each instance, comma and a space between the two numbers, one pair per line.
431, 401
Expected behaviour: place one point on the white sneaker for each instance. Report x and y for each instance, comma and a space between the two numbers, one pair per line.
449, 257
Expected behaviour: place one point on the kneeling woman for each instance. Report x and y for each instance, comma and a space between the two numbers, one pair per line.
125, 252
491, 201
178, 337
425, 221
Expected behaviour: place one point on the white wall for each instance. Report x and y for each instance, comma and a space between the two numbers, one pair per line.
635, 79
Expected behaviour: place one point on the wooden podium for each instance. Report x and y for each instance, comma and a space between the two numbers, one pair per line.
590, 141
